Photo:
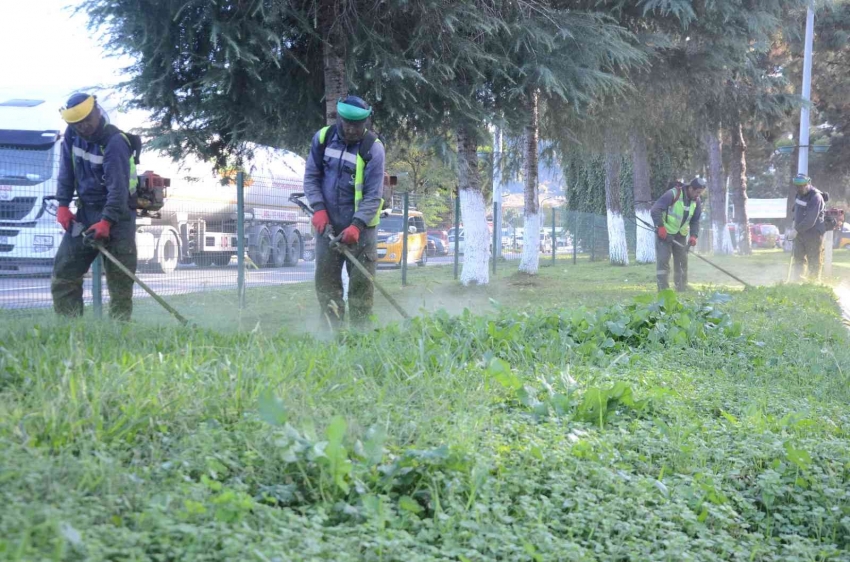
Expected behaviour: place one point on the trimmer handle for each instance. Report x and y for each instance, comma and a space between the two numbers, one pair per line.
296, 198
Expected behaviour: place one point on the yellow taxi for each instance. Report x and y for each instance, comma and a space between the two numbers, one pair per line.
390, 238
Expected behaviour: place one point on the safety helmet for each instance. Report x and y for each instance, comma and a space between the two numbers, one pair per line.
801, 179
697, 183
78, 107
352, 115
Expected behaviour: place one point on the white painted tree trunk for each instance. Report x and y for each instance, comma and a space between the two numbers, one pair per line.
645, 240
721, 240
476, 244
530, 260
645, 251
618, 250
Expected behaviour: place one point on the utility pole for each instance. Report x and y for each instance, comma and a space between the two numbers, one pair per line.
497, 195
803, 155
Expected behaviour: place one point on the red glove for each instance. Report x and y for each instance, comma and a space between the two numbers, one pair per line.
350, 236
692, 241
662, 233
64, 217
100, 229
320, 221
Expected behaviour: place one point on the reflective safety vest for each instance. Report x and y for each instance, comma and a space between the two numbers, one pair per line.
363, 156
674, 216
135, 145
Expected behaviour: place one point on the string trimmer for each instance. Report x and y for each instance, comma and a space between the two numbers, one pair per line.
714, 265
88, 239
336, 245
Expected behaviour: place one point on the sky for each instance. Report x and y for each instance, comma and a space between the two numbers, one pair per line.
48, 53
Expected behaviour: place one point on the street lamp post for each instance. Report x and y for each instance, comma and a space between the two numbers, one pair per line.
803, 155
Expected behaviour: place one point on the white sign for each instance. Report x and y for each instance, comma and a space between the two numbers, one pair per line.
767, 208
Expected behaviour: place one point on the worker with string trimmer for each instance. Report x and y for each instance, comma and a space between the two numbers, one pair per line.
343, 182
676, 217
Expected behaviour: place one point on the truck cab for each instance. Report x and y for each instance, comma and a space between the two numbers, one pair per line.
30, 141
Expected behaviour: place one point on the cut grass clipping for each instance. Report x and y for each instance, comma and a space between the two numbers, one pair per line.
709, 429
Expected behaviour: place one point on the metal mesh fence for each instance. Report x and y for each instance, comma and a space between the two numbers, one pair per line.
192, 245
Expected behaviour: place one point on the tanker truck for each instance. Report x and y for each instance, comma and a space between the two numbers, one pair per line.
195, 222
198, 223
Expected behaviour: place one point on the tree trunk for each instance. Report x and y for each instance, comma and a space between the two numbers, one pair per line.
531, 239
721, 241
645, 250
476, 243
738, 175
618, 251
334, 57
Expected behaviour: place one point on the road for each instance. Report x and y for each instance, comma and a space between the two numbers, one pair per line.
34, 292
18, 291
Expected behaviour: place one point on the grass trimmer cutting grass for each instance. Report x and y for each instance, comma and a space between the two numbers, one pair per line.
88, 239
714, 265
335, 244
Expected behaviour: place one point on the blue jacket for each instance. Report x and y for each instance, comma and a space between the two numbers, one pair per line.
99, 172
809, 212
329, 183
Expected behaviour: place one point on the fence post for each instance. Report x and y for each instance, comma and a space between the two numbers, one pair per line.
240, 237
575, 236
457, 231
592, 237
497, 236
406, 204
97, 286
554, 238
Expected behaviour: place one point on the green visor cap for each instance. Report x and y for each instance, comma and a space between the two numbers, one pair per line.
801, 180
352, 112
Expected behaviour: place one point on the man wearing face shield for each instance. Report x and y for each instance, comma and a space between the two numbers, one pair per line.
343, 182
808, 230
97, 164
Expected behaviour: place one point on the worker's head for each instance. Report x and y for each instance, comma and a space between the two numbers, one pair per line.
696, 188
83, 114
802, 183
352, 117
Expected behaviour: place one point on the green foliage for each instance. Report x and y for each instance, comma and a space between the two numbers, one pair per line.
711, 427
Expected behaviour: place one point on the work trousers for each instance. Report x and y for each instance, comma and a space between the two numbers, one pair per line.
74, 257
663, 250
329, 264
808, 251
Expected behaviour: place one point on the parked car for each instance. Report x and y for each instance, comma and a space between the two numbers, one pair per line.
441, 234
764, 235
460, 238
391, 239
436, 246
761, 235
842, 237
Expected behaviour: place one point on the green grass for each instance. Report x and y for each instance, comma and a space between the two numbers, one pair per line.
534, 429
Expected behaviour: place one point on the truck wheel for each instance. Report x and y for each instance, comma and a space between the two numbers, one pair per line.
167, 253
260, 252
279, 245
293, 252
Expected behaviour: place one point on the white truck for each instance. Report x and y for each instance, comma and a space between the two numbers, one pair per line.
196, 224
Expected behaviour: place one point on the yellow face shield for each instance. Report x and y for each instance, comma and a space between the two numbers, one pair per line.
79, 112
